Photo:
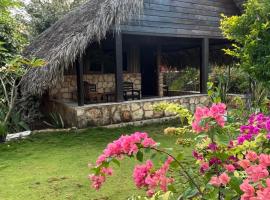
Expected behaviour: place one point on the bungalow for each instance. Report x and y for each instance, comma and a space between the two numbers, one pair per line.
107, 52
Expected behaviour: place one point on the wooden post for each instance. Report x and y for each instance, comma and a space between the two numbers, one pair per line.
158, 74
119, 67
204, 68
80, 87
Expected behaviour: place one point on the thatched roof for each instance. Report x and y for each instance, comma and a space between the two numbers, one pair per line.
69, 37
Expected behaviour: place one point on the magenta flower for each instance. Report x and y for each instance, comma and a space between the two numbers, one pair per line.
213, 147
256, 123
197, 156
214, 161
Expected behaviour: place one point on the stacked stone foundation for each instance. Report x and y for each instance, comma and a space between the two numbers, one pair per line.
115, 113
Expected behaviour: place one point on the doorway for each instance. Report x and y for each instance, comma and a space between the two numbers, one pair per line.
149, 71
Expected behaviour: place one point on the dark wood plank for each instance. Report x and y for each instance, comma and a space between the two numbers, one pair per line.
165, 19
211, 3
189, 9
204, 68
159, 31
119, 67
80, 89
192, 18
160, 24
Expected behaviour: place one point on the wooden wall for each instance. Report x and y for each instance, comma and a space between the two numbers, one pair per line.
181, 18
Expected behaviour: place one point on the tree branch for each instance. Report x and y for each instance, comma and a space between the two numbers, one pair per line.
13, 97
5, 90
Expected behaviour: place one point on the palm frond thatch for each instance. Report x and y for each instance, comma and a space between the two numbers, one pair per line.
69, 37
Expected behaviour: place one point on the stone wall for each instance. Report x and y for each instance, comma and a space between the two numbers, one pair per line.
104, 82
115, 113
160, 84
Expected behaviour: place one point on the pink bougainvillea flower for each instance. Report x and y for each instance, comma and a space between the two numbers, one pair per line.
264, 160
229, 168
107, 171
248, 189
251, 156
204, 166
215, 181
244, 163
216, 112
224, 179
146, 176
126, 145
264, 193
257, 172
97, 181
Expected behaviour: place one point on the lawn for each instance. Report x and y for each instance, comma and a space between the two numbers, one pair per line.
54, 166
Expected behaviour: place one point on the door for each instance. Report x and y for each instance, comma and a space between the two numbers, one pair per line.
149, 71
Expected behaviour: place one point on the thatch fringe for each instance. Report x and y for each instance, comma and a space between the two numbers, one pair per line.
69, 37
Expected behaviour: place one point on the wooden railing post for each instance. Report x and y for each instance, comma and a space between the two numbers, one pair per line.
119, 67
204, 67
80, 87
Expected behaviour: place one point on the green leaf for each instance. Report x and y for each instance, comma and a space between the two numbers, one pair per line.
172, 188
189, 193
147, 150
116, 162
180, 156
223, 139
235, 184
212, 195
168, 149
139, 156
153, 156
174, 165
166, 196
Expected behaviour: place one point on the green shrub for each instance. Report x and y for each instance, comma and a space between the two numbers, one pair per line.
3, 132
235, 78
250, 34
187, 79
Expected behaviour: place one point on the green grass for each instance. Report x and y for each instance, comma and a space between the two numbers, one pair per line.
54, 166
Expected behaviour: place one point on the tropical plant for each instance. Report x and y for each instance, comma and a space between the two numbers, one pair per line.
250, 34
187, 79
10, 81
230, 78
13, 32
55, 121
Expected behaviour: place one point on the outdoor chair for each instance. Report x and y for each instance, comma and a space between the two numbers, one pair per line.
130, 92
91, 94
165, 90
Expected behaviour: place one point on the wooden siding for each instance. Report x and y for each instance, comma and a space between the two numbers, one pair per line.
181, 18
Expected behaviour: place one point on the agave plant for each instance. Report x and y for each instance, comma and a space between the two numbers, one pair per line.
55, 121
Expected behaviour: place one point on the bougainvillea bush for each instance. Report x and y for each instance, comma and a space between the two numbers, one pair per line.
233, 159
